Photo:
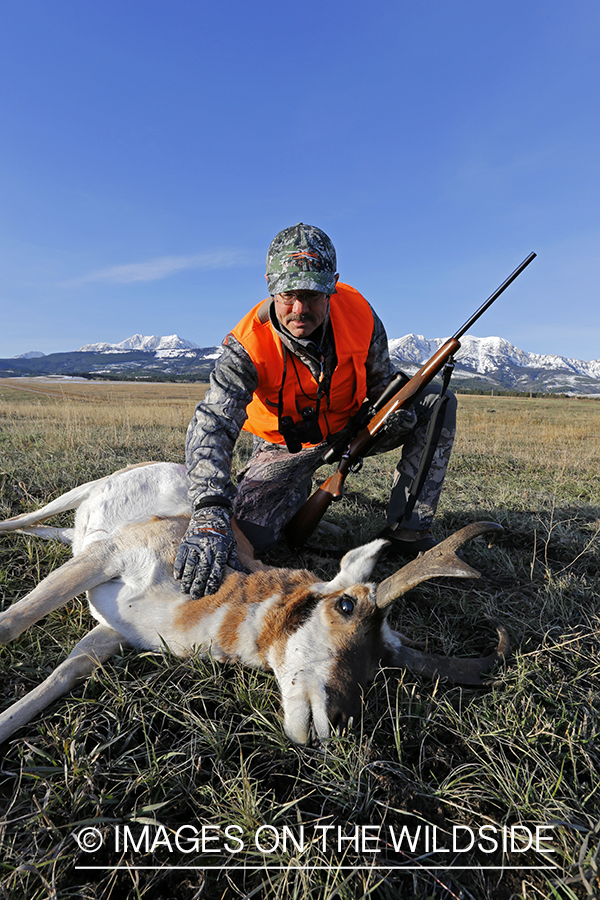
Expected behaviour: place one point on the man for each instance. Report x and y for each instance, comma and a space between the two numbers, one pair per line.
293, 372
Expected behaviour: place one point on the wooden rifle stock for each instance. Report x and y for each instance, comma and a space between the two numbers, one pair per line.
304, 522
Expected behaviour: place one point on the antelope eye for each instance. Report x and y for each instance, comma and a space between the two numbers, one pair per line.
346, 606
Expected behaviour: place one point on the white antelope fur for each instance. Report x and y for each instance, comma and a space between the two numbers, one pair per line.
323, 641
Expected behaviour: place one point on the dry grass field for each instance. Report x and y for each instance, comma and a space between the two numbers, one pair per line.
153, 749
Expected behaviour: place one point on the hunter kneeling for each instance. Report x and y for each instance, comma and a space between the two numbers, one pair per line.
294, 372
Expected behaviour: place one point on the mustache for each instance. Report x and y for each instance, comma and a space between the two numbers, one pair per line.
302, 317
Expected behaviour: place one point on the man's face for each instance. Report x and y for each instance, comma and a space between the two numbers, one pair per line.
301, 312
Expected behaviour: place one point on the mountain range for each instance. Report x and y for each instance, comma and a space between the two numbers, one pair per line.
493, 363
140, 342
490, 363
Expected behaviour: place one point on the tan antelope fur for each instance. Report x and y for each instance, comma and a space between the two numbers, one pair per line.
323, 641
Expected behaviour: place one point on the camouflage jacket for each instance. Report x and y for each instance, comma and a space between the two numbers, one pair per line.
218, 418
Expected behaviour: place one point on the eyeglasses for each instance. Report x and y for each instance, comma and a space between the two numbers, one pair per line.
290, 297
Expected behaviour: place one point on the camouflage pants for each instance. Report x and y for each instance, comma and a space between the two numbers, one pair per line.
275, 483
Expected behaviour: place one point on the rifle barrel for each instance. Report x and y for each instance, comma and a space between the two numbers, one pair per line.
494, 296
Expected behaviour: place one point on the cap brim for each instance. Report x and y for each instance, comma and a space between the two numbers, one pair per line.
303, 281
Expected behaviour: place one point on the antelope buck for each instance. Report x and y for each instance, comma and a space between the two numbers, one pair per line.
323, 641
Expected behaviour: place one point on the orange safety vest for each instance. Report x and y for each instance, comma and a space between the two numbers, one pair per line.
352, 322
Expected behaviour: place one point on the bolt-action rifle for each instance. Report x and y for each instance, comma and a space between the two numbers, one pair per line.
399, 394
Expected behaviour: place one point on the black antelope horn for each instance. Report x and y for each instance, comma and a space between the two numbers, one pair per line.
441, 560
455, 669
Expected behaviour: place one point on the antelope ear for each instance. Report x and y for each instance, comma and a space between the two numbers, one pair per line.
355, 568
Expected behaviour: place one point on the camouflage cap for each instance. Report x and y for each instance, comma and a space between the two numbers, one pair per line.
301, 257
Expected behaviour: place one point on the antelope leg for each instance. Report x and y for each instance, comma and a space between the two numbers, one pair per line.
95, 648
70, 500
245, 551
64, 535
74, 577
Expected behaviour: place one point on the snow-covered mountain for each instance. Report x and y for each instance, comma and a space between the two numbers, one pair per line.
485, 363
142, 342
33, 354
138, 357
499, 363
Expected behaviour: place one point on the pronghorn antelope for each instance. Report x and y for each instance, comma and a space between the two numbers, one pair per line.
323, 641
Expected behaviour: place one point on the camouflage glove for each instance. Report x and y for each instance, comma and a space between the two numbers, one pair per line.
207, 547
403, 420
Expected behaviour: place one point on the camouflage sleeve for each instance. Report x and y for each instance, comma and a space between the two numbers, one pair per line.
216, 424
379, 367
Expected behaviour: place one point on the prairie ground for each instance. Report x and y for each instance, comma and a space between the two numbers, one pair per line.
152, 750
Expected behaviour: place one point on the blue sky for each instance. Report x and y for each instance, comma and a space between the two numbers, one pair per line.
150, 151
